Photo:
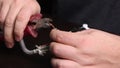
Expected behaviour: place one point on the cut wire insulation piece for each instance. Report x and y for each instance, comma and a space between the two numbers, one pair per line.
85, 26
80, 28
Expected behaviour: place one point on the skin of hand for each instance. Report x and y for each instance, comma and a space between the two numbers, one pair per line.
14, 16
85, 49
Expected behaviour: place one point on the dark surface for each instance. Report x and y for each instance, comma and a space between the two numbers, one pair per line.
14, 58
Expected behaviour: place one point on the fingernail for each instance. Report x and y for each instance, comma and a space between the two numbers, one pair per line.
18, 38
55, 30
9, 45
55, 65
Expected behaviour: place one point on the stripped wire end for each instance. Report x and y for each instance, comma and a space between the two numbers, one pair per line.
41, 50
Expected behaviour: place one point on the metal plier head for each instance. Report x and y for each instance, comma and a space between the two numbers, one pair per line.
37, 22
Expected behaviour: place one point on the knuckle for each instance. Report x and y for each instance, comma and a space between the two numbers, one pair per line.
20, 17
90, 31
8, 23
16, 2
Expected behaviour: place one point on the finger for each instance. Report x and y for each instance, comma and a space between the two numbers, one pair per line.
68, 38
71, 53
64, 51
5, 5
4, 11
22, 20
0, 5
64, 63
9, 24
1, 25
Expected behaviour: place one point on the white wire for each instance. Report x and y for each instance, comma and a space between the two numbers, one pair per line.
39, 49
29, 52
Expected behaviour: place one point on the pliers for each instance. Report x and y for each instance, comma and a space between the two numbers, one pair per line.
35, 22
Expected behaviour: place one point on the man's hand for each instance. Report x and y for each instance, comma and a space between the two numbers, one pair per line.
85, 49
14, 16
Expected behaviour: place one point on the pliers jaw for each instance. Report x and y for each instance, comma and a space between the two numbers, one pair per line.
36, 24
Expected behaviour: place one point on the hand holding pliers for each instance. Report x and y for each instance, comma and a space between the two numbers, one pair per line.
36, 22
